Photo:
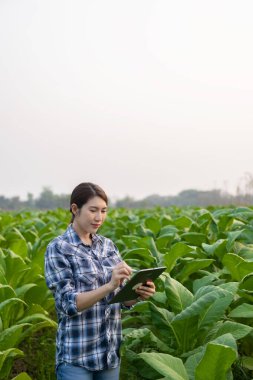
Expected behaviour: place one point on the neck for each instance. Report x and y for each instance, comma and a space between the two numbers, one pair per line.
86, 237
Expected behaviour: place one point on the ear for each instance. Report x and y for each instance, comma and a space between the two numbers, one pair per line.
74, 208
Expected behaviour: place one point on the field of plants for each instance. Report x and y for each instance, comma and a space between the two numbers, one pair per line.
198, 326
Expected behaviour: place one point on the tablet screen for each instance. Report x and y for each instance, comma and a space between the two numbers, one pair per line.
128, 292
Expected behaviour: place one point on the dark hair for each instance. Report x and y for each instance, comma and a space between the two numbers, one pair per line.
83, 192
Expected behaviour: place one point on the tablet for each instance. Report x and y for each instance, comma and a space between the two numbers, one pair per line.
128, 292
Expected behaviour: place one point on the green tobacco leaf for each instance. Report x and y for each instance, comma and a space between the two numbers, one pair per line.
6, 361
168, 231
161, 317
204, 281
238, 330
10, 337
179, 297
35, 318
232, 237
195, 364
166, 365
247, 284
219, 248
243, 311
194, 238
164, 241
215, 362
22, 376
237, 266
145, 338
182, 222
16, 242
214, 311
148, 242
6, 292
203, 298
15, 267
177, 250
192, 266
247, 362
21, 291
142, 254
10, 309
153, 224
131, 241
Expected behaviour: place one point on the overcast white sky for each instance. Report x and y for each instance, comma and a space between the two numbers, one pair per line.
138, 96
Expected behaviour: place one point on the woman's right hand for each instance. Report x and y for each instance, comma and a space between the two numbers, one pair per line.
120, 272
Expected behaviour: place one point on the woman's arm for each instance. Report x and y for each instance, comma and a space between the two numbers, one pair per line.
87, 299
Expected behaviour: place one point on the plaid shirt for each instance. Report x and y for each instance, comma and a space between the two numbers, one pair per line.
90, 338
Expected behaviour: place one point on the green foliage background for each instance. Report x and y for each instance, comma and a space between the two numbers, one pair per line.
200, 317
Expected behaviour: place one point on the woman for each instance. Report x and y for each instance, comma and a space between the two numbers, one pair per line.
84, 271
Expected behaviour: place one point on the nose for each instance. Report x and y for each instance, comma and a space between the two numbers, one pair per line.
98, 216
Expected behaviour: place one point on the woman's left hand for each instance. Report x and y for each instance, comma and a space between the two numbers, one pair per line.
146, 290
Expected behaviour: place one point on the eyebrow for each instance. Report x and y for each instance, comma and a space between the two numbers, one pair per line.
97, 208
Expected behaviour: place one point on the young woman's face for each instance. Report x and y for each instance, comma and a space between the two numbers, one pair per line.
91, 215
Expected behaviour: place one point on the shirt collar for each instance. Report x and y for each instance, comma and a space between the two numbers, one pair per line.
71, 237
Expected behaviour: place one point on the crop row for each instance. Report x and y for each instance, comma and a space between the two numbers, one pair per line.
201, 316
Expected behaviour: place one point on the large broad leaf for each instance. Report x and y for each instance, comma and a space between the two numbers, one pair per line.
232, 237
6, 361
168, 230
164, 241
15, 268
16, 242
204, 281
183, 222
203, 299
10, 337
148, 242
177, 250
238, 330
169, 366
22, 290
243, 311
153, 224
131, 241
214, 311
219, 248
194, 238
22, 376
142, 254
10, 310
38, 317
185, 324
145, 339
192, 266
247, 284
6, 292
160, 317
215, 363
179, 297
237, 266
209, 355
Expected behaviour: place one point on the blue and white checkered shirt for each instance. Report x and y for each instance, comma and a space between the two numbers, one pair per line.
90, 338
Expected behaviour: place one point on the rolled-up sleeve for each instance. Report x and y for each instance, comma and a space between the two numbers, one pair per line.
59, 279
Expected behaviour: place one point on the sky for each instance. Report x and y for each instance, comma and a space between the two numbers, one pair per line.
141, 96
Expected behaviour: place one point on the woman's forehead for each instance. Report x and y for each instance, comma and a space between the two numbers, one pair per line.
96, 202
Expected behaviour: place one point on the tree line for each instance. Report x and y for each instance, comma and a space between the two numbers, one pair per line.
47, 200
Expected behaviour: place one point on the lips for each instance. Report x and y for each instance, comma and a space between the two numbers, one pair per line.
96, 225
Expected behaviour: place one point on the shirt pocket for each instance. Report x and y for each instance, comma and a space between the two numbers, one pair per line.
86, 281
86, 274
111, 258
